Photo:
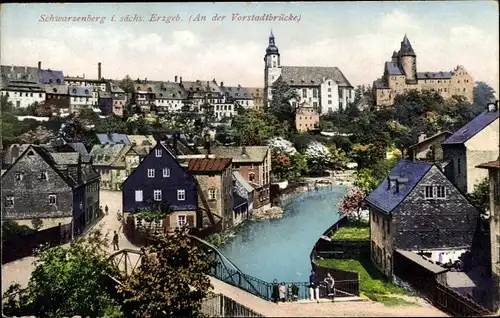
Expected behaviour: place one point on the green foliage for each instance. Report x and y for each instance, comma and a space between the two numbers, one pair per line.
338, 158
12, 230
171, 280
127, 84
69, 281
216, 239
112, 124
150, 216
256, 127
369, 178
354, 232
88, 116
37, 223
280, 105
480, 196
483, 94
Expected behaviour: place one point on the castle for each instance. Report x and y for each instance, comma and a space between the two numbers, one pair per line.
324, 89
400, 76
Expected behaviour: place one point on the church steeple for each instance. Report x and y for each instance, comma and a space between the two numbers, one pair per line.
272, 48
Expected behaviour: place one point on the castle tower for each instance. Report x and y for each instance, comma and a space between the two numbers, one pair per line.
408, 60
395, 57
272, 68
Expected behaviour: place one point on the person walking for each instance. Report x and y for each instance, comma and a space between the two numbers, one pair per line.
106, 209
330, 286
276, 291
115, 242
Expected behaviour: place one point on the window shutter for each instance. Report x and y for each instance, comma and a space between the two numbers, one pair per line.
190, 220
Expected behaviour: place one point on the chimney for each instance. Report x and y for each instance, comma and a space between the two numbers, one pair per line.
175, 78
493, 107
421, 137
84, 75
180, 80
239, 86
145, 79
400, 184
39, 65
391, 181
99, 71
221, 84
244, 151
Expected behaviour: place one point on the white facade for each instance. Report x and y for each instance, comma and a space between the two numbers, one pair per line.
272, 73
245, 103
224, 110
23, 99
329, 96
170, 105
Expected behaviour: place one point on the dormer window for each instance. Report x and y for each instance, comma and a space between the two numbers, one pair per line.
74, 90
54, 90
19, 176
86, 91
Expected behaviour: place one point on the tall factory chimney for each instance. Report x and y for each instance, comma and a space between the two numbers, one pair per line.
99, 71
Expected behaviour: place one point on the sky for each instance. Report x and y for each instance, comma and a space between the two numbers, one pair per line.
357, 37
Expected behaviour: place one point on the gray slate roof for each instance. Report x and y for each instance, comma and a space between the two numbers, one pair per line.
11, 73
23, 86
385, 199
393, 68
236, 92
433, 75
312, 75
239, 178
51, 77
472, 128
104, 94
105, 155
113, 138
82, 91
56, 89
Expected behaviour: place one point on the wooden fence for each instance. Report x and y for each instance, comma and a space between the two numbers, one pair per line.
22, 246
220, 305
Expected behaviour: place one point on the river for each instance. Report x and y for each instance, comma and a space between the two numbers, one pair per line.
279, 249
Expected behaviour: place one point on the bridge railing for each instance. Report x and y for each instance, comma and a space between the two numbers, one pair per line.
220, 305
264, 290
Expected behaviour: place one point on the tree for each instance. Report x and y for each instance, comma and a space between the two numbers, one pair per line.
40, 135
69, 281
369, 178
112, 124
88, 116
171, 280
281, 104
483, 94
127, 84
480, 196
338, 158
256, 127
318, 157
351, 204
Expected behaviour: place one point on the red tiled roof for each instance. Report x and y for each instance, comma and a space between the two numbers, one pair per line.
208, 164
491, 164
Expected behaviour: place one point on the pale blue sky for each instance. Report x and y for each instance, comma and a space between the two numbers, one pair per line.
355, 36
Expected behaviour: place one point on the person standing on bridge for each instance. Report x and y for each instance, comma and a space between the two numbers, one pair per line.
330, 286
115, 242
106, 209
313, 286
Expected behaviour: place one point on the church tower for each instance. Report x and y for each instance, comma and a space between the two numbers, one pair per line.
272, 68
408, 60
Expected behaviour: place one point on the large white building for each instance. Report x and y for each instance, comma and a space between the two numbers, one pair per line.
324, 88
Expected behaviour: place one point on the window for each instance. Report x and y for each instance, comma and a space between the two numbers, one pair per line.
181, 195
211, 194
304, 92
19, 176
441, 192
138, 195
157, 153
181, 220
151, 173
341, 93
315, 104
315, 93
329, 89
52, 199
428, 192
43, 175
157, 195
166, 172
251, 177
9, 201
329, 83
329, 102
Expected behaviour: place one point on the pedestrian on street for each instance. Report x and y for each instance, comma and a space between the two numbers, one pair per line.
313, 286
115, 242
106, 209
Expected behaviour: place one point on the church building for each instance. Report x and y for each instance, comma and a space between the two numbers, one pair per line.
324, 89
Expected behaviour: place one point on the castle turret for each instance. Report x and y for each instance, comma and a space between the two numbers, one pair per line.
408, 60
395, 57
